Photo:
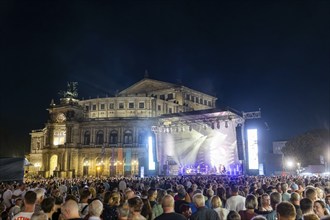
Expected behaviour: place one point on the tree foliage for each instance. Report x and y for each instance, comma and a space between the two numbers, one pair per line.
308, 147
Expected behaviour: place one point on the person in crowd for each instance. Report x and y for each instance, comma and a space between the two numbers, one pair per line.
221, 192
285, 195
168, 210
40, 215
40, 196
295, 200
311, 216
70, 210
185, 210
30, 199
320, 193
181, 199
58, 205
311, 194
95, 210
85, 195
202, 211
7, 195
48, 206
233, 215
209, 195
135, 207
3, 212
122, 185
129, 193
251, 204
110, 205
285, 211
235, 202
146, 208
20, 191
216, 205
327, 201
265, 203
275, 199
157, 210
320, 209
306, 206
123, 213
16, 208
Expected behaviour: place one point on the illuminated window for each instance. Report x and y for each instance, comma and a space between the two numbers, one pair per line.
87, 138
128, 137
99, 137
141, 105
121, 105
59, 137
112, 106
113, 139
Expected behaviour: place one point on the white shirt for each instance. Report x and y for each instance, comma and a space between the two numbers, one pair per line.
19, 193
235, 203
222, 210
7, 197
23, 216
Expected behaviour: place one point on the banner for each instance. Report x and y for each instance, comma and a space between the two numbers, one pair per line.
128, 159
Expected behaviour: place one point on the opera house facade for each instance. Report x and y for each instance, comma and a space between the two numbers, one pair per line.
150, 128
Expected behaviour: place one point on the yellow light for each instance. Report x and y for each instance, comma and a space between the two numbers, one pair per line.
37, 164
98, 168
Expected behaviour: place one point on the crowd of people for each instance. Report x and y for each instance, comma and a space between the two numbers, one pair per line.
167, 198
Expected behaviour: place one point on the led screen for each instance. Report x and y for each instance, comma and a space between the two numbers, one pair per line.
252, 136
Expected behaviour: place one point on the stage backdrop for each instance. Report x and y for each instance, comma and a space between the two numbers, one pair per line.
199, 145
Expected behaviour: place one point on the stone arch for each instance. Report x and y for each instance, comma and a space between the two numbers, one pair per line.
53, 164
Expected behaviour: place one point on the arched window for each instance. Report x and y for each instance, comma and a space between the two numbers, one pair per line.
113, 139
87, 138
99, 137
128, 137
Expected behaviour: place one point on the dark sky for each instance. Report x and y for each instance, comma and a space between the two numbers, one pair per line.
250, 54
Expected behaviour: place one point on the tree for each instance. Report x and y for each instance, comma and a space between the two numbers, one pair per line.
308, 147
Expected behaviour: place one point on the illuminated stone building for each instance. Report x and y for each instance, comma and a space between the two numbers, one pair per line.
110, 136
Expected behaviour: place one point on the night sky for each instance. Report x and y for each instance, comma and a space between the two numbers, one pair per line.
250, 54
